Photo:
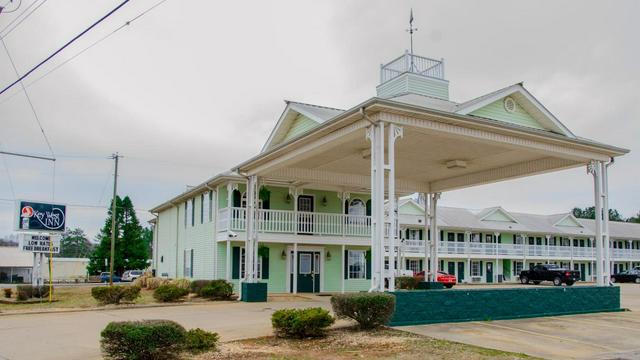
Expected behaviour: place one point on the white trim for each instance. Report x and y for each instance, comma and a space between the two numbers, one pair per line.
571, 217
290, 250
499, 208
471, 106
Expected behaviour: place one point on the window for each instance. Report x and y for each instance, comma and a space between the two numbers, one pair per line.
519, 239
460, 237
188, 263
414, 265
488, 238
413, 234
357, 207
475, 238
451, 237
517, 267
205, 209
475, 268
357, 264
242, 261
189, 212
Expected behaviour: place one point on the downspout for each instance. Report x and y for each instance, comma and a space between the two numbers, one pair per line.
365, 116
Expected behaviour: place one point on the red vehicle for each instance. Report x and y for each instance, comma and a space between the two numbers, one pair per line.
447, 280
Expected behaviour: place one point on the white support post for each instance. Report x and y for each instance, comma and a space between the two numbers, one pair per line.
394, 133
435, 237
371, 135
427, 245
571, 249
594, 168
228, 262
467, 269
548, 238
379, 207
344, 265
295, 268
251, 246
605, 224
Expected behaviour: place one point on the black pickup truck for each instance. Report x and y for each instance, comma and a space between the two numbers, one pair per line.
549, 272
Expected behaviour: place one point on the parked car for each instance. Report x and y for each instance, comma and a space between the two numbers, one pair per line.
549, 272
104, 277
632, 275
447, 280
131, 275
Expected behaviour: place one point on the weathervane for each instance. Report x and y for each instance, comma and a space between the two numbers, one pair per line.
411, 30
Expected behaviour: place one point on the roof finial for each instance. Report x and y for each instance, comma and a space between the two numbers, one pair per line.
411, 30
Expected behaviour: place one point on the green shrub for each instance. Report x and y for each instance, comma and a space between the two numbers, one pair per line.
24, 292
155, 282
169, 293
197, 285
7, 292
198, 341
301, 323
406, 282
41, 291
217, 290
181, 283
370, 310
143, 340
115, 294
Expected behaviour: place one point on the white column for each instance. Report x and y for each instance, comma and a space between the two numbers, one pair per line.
605, 224
467, 269
571, 249
435, 237
548, 237
394, 133
379, 208
371, 135
344, 265
251, 243
427, 245
295, 268
595, 169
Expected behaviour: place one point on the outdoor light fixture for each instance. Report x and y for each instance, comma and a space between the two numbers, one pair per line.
324, 201
283, 255
328, 255
287, 198
456, 164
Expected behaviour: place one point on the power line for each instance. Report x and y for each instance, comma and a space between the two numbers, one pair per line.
125, 24
21, 20
87, 206
35, 114
64, 46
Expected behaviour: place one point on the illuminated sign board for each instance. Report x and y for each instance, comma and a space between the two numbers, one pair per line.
44, 217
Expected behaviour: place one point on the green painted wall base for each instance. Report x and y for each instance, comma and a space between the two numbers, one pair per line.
254, 292
430, 285
456, 305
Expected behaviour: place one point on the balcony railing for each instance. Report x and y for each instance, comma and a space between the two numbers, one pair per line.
301, 222
516, 250
329, 224
414, 64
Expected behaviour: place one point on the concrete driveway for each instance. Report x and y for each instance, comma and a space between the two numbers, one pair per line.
590, 336
76, 335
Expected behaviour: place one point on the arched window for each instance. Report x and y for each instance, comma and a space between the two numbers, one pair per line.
368, 207
357, 207
237, 198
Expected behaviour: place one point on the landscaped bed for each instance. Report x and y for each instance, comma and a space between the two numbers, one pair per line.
349, 343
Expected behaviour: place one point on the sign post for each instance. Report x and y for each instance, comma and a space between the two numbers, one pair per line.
39, 223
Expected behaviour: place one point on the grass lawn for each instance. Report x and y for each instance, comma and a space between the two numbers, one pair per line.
69, 297
352, 344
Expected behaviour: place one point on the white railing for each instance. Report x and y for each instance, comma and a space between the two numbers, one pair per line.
412, 63
290, 222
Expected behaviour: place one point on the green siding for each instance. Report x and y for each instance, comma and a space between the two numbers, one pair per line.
300, 125
410, 209
222, 197
416, 84
278, 198
496, 111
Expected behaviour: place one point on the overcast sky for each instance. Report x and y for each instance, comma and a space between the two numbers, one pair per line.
194, 87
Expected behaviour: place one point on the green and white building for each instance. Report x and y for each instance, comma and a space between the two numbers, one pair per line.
328, 204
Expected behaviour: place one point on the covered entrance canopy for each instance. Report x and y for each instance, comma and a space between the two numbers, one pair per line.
426, 150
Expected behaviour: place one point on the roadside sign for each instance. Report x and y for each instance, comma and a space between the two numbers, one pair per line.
40, 243
36, 216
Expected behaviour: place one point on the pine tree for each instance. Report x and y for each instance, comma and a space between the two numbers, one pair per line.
74, 244
130, 244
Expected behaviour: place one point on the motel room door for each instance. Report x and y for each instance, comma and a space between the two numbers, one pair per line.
308, 271
489, 271
460, 271
305, 216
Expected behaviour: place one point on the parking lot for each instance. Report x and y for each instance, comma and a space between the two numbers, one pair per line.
590, 336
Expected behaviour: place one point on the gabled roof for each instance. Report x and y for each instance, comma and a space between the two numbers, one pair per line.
567, 220
496, 214
315, 113
528, 102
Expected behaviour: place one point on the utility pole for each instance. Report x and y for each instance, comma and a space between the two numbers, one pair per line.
115, 156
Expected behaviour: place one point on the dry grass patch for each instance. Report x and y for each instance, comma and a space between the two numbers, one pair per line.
352, 344
71, 297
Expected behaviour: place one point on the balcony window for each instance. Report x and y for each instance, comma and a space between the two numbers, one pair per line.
357, 207
460, 237
357, 264
517, 267
414, 265
475, 238
413, 234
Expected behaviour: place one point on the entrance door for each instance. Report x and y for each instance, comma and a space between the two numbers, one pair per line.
308, 272
451, 268
305, 216
460, 271
583, 272
489, 272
